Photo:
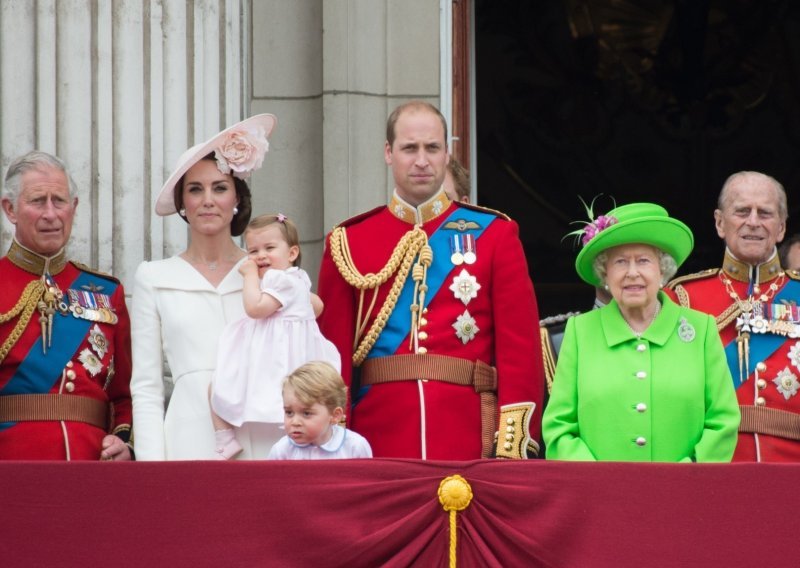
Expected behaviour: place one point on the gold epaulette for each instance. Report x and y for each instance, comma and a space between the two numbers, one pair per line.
549, 355
484, 210
90, 270
557, 319
356, 218
690, 277
793, 274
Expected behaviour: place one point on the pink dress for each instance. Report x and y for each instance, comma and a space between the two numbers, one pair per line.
256, 354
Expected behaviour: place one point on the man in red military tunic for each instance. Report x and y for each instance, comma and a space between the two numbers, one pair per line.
431, 306
64, 330
755, 303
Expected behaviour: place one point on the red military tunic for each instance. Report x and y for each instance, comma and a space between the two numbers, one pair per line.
485, 311
94, 364
766, 368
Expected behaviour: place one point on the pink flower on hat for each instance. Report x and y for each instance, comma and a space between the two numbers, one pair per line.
593, 226
242, 152
601, 223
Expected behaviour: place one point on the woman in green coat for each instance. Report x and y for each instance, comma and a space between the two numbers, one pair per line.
641, 379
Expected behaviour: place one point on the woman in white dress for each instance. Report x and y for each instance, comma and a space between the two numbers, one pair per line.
181, 304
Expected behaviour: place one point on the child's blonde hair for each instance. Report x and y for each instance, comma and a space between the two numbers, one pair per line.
318, 381
287, 227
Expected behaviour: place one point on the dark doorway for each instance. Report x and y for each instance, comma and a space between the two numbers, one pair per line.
636, 100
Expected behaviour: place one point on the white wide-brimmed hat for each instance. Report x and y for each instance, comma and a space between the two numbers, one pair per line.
239, 151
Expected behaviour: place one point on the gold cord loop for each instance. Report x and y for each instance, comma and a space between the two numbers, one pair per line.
399, 265
24, 308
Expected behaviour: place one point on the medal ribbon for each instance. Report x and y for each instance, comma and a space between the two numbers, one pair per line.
398, 326
762, 345
455, 247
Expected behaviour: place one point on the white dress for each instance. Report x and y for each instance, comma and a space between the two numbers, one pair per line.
344, 444
178, 315
256, 354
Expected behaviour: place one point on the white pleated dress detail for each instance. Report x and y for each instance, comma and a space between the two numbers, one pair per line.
256, 354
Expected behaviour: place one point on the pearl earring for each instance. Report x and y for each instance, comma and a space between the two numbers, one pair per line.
182, 212
235, 210
606, 287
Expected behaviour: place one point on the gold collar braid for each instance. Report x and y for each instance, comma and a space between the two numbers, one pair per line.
413, 245
758, 274
34, 262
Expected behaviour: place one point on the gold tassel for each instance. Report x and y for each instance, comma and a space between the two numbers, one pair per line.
455, 494
739, 352
419, 273
746, 348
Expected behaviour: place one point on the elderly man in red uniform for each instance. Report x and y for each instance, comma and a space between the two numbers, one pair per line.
64, 330
755, 303
431, 306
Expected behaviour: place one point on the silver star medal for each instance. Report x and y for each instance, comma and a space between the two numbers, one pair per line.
466, 327
98, 341
90, 362
686, 331
794, 354
465, 286
787, 383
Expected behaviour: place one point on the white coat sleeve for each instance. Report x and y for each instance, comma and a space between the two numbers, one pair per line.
147, 380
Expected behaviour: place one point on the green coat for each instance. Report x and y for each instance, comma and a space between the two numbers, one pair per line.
666, 397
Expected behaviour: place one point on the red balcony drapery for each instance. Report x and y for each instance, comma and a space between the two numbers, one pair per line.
386, 512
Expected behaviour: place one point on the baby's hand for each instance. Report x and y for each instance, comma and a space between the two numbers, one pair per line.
249, 266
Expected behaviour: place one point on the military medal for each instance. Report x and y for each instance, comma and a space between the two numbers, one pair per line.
465, 286
778, 319
466, 327
92, 306
461, 225
758, 323
456, 246
98, 341
469, 249
787, 383
794, 354
90, 362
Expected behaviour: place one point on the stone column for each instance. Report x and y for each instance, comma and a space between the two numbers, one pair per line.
119, 89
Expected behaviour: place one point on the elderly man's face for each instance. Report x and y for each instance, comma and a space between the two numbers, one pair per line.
750, 221
44, 212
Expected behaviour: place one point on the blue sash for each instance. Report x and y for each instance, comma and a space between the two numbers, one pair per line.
38, 371
762, 345
398, 326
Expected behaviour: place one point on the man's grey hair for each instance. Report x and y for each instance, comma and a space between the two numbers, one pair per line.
666, 263
783, 208
34, 160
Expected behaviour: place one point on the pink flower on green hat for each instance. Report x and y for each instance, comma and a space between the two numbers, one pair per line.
598, 225
593, 226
